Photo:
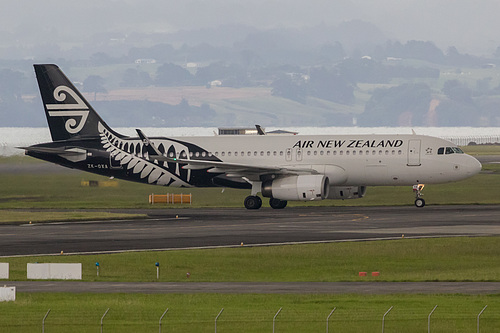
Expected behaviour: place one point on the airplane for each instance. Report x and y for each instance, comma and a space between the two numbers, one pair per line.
281, 168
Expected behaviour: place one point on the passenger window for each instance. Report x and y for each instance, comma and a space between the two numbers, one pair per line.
223, 153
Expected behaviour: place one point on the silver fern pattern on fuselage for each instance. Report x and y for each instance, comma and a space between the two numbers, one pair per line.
130, 153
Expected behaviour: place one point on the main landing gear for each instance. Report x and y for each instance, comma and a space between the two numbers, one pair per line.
277, 203
255, 202
419, 202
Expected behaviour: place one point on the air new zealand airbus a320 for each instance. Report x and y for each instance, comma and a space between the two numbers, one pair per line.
281, 168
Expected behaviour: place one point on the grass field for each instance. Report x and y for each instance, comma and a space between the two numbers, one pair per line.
470, 259
247, 313
442, 259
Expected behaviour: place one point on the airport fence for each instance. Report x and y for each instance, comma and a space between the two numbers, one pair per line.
275, 324
480, 140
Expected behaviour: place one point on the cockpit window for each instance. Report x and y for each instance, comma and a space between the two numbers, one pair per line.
449, 150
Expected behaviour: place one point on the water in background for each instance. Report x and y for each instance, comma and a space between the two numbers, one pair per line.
12, 137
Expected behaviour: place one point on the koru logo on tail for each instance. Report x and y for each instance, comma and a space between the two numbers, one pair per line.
79, 109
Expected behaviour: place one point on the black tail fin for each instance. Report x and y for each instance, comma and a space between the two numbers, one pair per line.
69, 115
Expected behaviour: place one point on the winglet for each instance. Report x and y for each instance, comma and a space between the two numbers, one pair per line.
260, 131
150, 147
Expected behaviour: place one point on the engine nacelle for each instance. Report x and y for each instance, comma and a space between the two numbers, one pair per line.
299, 188
347, 192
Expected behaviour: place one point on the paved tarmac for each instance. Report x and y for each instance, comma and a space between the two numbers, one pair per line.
188, 228
193, 228
369, 288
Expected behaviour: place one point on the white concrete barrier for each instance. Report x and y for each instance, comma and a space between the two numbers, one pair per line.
7, 294
4, 270
54, 271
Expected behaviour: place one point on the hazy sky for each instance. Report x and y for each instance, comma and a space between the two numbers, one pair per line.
471, 26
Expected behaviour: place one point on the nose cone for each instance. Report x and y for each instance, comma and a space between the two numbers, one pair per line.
472, 166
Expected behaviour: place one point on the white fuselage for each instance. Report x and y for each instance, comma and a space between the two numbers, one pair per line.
349, 160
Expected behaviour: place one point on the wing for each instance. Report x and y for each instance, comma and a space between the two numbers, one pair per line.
236, 170
225, 167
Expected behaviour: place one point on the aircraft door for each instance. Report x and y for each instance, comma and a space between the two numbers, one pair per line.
113, 163
288, 154
414, 153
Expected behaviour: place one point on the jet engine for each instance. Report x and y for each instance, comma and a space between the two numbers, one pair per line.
347, 192
301, 188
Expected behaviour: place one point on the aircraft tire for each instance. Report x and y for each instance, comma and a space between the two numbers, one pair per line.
277, 203
420, 202
253, 202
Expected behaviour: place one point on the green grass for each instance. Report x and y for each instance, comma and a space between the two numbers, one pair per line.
247, 313
482, 150
44, 216
443, 259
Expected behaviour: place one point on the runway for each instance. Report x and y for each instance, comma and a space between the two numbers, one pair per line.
197, 228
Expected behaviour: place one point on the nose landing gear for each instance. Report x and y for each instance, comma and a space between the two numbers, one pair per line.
419, 202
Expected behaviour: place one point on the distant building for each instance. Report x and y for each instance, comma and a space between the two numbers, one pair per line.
251, 131
145, 61
238, 131
216, 83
